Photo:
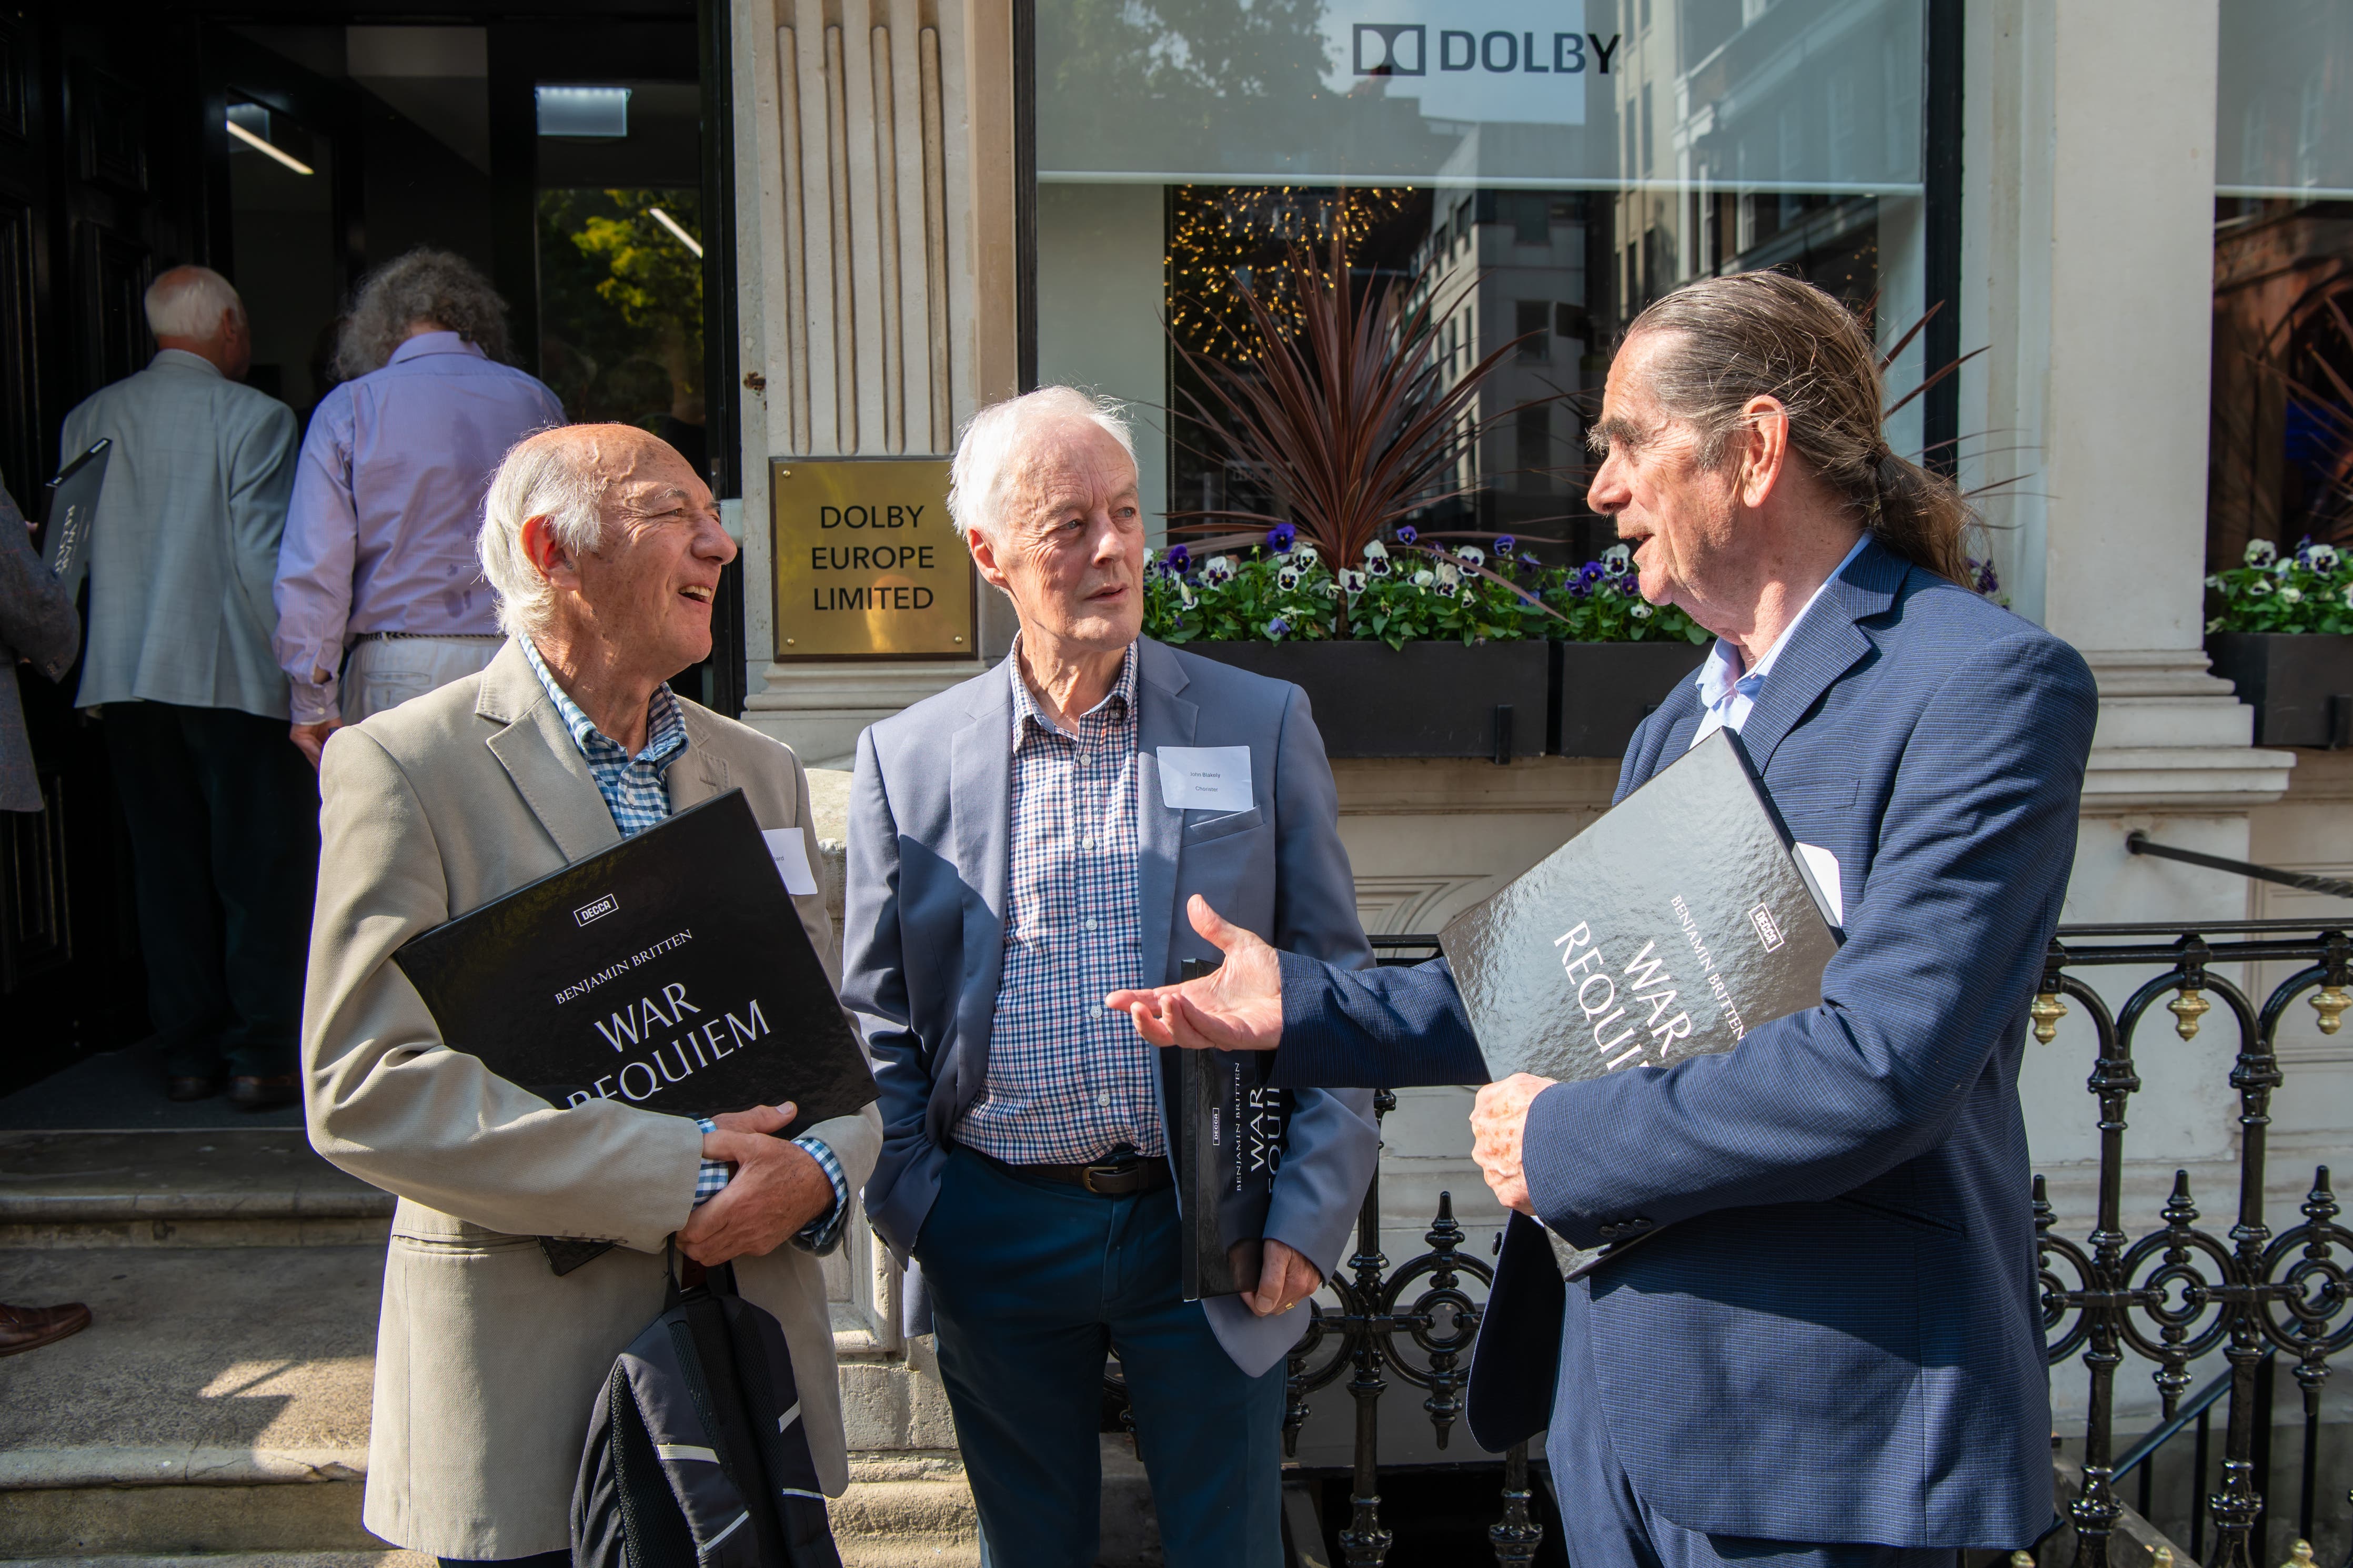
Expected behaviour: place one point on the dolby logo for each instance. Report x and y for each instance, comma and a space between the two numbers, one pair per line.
1402, 48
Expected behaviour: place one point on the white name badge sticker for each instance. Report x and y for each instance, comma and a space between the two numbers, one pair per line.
1205, 778
788, 846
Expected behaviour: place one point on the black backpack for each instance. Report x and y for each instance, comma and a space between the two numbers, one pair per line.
696, 1457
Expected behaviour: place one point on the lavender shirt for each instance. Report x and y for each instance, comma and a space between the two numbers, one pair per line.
387, 501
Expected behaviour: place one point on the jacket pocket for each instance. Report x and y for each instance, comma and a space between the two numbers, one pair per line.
1223, 826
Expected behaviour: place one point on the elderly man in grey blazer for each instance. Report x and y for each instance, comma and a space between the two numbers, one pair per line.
1011, 850
222, 811
604, 549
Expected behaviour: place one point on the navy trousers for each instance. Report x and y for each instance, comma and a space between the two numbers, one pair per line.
224, 820
1032, 1285
1609, 1526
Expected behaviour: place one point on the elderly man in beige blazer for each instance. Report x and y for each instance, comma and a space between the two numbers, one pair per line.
606, 550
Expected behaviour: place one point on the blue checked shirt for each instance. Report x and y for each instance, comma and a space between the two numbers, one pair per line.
1069, 1082
638, 798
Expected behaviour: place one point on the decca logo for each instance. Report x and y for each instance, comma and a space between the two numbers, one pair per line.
1767, 932
1402, 48
595, 911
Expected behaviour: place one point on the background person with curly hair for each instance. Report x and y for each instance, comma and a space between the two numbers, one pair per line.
378, 557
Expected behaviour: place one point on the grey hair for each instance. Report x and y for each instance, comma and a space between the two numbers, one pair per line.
189, 302
423, 285
987, 452
551, 475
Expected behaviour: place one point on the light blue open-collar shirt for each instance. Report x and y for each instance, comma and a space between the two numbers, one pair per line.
1728, 689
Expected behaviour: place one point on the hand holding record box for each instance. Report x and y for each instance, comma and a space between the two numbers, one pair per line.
670, 972
1668, 930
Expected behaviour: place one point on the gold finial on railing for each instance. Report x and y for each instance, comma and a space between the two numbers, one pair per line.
2186, 1008
2046, 1010
2022, 1559
2161, 1558
2299, 1555
2330, 1002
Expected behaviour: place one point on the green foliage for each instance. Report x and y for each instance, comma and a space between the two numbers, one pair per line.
621, 304
2310, 590
1415, 594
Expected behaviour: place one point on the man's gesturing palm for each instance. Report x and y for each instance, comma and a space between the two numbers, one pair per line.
1239, 1008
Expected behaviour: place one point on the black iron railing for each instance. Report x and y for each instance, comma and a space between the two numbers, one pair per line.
2169, 1298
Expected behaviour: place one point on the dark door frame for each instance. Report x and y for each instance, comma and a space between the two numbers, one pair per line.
232, 64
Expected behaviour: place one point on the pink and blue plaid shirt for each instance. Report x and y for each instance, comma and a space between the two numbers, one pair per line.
1067, 1081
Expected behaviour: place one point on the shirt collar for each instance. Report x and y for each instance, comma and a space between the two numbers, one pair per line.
1025, 706
436, 343
665, 723
1723, 673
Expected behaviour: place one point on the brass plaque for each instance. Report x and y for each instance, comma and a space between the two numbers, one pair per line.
868, 566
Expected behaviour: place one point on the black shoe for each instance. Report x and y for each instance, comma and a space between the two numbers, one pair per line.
250, 1093
183, 1089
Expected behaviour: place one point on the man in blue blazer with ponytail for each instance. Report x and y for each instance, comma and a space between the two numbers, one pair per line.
1829, 1349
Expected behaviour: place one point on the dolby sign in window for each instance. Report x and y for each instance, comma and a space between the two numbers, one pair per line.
868, 566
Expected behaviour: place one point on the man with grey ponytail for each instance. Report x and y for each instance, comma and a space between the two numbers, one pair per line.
1839, 1257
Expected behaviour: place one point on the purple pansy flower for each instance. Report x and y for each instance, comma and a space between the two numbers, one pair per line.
1281, 536
1179, 558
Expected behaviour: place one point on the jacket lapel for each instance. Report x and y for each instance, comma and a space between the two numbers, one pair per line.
980, 806
697, 774
1163, 719
539, 756
1827, 644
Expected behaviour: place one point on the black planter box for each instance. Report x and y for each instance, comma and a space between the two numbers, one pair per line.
2300, 684
1427, 700
1601, 691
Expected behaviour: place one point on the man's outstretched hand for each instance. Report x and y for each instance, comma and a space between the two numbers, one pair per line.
1239, 1008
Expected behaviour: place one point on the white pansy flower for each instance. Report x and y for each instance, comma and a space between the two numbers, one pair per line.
2348, 596
2321, 558
1471, 553
1304, 553
1186, 595
1376, 550
1287, 579
1448, 574
2258, 589
2213, 582
1640, 612
2291, 594
1616, 557
1424, 578
1219, 569
2261, 552
1353, 579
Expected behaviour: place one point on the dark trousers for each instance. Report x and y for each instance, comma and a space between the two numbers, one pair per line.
1032, 1283
1609, 1527
224, 818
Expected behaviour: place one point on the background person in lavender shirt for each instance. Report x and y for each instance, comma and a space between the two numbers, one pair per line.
378, 558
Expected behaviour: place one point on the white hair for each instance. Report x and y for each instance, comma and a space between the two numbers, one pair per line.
188, 303
989, 451
550, 476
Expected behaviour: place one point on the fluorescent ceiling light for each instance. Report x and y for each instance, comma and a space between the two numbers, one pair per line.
583, 111
258, 145
671, 224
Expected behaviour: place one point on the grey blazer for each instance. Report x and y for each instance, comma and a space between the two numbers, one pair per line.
487, 1363
930, 818
38, 624
184, 548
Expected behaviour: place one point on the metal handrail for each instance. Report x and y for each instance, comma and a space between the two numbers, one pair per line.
2139, 843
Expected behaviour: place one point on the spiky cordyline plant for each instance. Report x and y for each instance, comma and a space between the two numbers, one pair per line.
1347, 422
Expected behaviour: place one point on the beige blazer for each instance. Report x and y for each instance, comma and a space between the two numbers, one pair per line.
487, 1362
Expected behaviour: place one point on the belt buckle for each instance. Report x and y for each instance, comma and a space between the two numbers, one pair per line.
1124, 1171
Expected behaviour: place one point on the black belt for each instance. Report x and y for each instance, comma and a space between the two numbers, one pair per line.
1112, 1178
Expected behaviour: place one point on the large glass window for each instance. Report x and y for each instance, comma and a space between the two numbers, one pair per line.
1557, 164
2281, 449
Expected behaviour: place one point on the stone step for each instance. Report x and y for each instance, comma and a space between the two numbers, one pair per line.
216, 1187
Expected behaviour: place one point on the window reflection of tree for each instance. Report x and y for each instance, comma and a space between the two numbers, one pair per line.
2281, 465
621, 311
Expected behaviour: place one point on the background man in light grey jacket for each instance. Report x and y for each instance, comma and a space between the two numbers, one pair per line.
222, 810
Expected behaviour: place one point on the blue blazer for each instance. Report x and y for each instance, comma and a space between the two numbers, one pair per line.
1832, 1330
923, 925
